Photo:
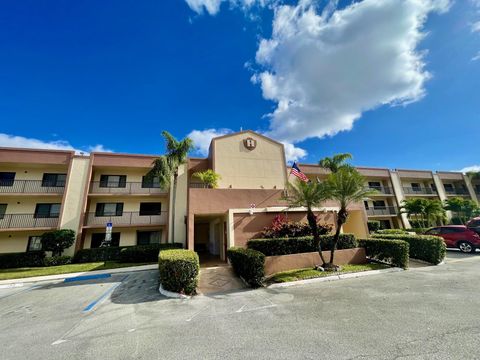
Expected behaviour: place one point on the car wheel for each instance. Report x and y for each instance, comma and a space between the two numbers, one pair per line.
466, 247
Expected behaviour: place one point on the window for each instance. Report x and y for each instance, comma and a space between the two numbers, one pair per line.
385, 224
3, 210
434, 231
97, 239
374, 185
416, 187
434, 188
366, 205
54, 180
109, 209
474, 223
113, 181
379, 204
477, 189
34, 243
150, 208
148, 237
150, 183
47, 211
449, 188
451, 230
7, 178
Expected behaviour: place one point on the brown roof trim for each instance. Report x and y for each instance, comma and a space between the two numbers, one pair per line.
72, 152
449, 172
409, 170
124, 154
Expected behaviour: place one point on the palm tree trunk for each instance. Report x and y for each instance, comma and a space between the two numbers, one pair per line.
174, 196
341, 219
312, 221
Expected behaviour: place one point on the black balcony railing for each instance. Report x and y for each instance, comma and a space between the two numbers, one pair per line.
381, 189
25, 221
419, 191
127, 218
31, 187
450, 191
98, 187
197, 185
383, 210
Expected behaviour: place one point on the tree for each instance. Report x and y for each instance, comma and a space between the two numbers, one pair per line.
415, 209
335, 162
346, 186
433, 211
464, 209
308, 195
208, 177
58, 240
165, 167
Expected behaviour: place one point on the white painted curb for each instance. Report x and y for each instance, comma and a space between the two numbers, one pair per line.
172, 294
335, 277
70, 275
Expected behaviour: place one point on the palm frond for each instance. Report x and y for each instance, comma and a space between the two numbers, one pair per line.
162, 170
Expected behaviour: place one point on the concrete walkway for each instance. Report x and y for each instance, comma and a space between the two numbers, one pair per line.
218, 279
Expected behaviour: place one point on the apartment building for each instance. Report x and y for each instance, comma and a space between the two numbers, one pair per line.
42, 190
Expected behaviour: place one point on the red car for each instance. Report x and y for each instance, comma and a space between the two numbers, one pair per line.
458, 236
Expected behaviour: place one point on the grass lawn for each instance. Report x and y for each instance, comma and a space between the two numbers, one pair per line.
309, 273
62, 269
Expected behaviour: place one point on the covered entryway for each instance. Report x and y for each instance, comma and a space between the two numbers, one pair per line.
210, 240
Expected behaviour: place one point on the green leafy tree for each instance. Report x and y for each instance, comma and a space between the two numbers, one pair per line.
308, 195
57, 241
335, 162
166, 167
208, 177
433, 212
346, 186
415, 210
463, 209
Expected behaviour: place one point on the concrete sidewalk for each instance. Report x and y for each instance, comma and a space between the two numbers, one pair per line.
71, 275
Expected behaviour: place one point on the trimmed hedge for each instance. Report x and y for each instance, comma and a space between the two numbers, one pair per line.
137, 253
423, 247
248, 264
394, 252
57, 260
145, 253
178, 270
20, 260
391, 231
373, 225
286, 246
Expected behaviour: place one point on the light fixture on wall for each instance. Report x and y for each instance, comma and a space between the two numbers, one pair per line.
252, 206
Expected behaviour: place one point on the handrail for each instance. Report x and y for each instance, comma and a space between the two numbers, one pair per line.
24, 221
127, 218
31, 187
98, 187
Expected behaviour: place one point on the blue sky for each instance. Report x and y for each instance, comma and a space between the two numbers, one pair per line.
393, 82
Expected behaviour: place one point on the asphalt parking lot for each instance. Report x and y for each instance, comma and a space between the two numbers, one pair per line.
425, 313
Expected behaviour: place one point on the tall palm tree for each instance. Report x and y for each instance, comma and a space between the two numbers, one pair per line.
415, 209
335, 162
456, 206
433, 211
309, 195
346, 186
165, 167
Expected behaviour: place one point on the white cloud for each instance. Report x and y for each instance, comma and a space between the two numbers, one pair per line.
7, 140
202, 138
474, 168
476, 57
213, 6
324, 70
476, 26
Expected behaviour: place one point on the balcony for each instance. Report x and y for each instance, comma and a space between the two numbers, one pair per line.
26, 221
30, 187
382, 211
461, 192
419, 191
135, 188
127, 218
382, 190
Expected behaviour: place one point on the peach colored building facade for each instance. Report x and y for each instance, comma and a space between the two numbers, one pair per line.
42, 190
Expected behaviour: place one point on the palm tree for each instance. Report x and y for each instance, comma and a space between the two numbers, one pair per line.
346, 186
415, 209
456, 206
309, 195
166, 167
209, 178
336, 162
433, 211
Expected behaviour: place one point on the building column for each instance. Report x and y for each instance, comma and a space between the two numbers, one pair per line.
399, 196
470, 188
441, 192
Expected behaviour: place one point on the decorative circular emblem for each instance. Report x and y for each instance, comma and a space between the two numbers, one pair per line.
250, 143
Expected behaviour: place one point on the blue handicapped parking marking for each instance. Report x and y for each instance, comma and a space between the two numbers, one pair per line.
90, 306
87, 277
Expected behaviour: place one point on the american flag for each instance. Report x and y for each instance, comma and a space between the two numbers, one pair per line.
296, 172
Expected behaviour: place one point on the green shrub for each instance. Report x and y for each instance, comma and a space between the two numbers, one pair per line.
423, 247
145, 253
418, 231
178, 270
391, 231
285, 246
97, 254
373, 225
24, 259
248, 264
394, 252
57, 260
58, 240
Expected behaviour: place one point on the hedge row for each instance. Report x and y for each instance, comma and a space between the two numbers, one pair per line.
24, 259
248, 264
423, 247
178, 270
57, 260
138, 253
394, 252
285, 246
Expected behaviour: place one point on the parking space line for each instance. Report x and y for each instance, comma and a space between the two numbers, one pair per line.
21, 291
102, 297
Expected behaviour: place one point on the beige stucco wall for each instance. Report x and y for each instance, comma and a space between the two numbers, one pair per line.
32, 172
128, 236
356, 224
133, 174
26, 205
130, 203
241, 168
181, 206
16, 241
